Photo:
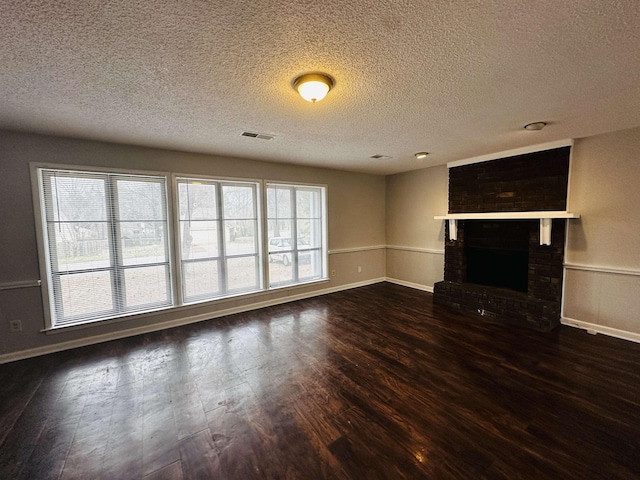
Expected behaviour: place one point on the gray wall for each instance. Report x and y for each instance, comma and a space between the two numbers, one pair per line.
415, 241
356, 214
366, 212
602, 276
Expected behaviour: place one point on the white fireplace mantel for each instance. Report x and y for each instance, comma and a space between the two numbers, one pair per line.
544, 217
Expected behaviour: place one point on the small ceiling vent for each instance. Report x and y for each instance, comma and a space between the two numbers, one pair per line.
261, 136
378, 156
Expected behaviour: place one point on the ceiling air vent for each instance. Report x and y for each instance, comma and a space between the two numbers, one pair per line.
261, 136
378, 156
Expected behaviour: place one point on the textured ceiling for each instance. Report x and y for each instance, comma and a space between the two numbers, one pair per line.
455, 78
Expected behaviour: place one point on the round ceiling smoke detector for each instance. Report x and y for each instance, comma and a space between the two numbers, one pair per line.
535, 126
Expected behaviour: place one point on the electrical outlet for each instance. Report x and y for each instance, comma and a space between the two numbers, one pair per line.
15, 326
359, 269
333, 273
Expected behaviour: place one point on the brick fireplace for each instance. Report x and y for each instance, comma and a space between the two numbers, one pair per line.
498, 268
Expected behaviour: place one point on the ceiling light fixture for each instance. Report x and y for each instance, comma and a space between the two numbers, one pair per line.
421, 154
535, 126
313, 87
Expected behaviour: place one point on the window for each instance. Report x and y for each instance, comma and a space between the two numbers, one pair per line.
219, 238
296, 233
106, 242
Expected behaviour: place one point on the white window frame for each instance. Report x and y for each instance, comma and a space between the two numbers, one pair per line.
171, 208
222, 256
47, 275
324, 234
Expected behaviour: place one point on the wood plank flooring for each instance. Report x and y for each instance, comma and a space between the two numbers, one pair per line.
370, 383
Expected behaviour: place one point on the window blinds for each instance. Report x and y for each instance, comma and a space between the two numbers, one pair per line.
107, 244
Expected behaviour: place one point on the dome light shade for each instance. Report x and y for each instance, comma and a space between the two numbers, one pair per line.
313, 87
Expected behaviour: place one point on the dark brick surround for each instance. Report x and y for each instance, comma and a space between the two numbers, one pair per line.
532, 182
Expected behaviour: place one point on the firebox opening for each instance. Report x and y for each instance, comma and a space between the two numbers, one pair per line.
498, 253
498, 268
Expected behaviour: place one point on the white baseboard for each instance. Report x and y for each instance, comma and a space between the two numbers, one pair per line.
92, 340
417, 286
593, 328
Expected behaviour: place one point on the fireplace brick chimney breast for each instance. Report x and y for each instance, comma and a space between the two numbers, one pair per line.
532, 182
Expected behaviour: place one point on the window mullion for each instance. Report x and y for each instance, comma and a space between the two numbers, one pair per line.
257, 240
294, 234
222, 253
264, 228
113, 226
168, 240
174, 236
182, 233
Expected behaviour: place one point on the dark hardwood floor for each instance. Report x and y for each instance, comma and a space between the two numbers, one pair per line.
370, 383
